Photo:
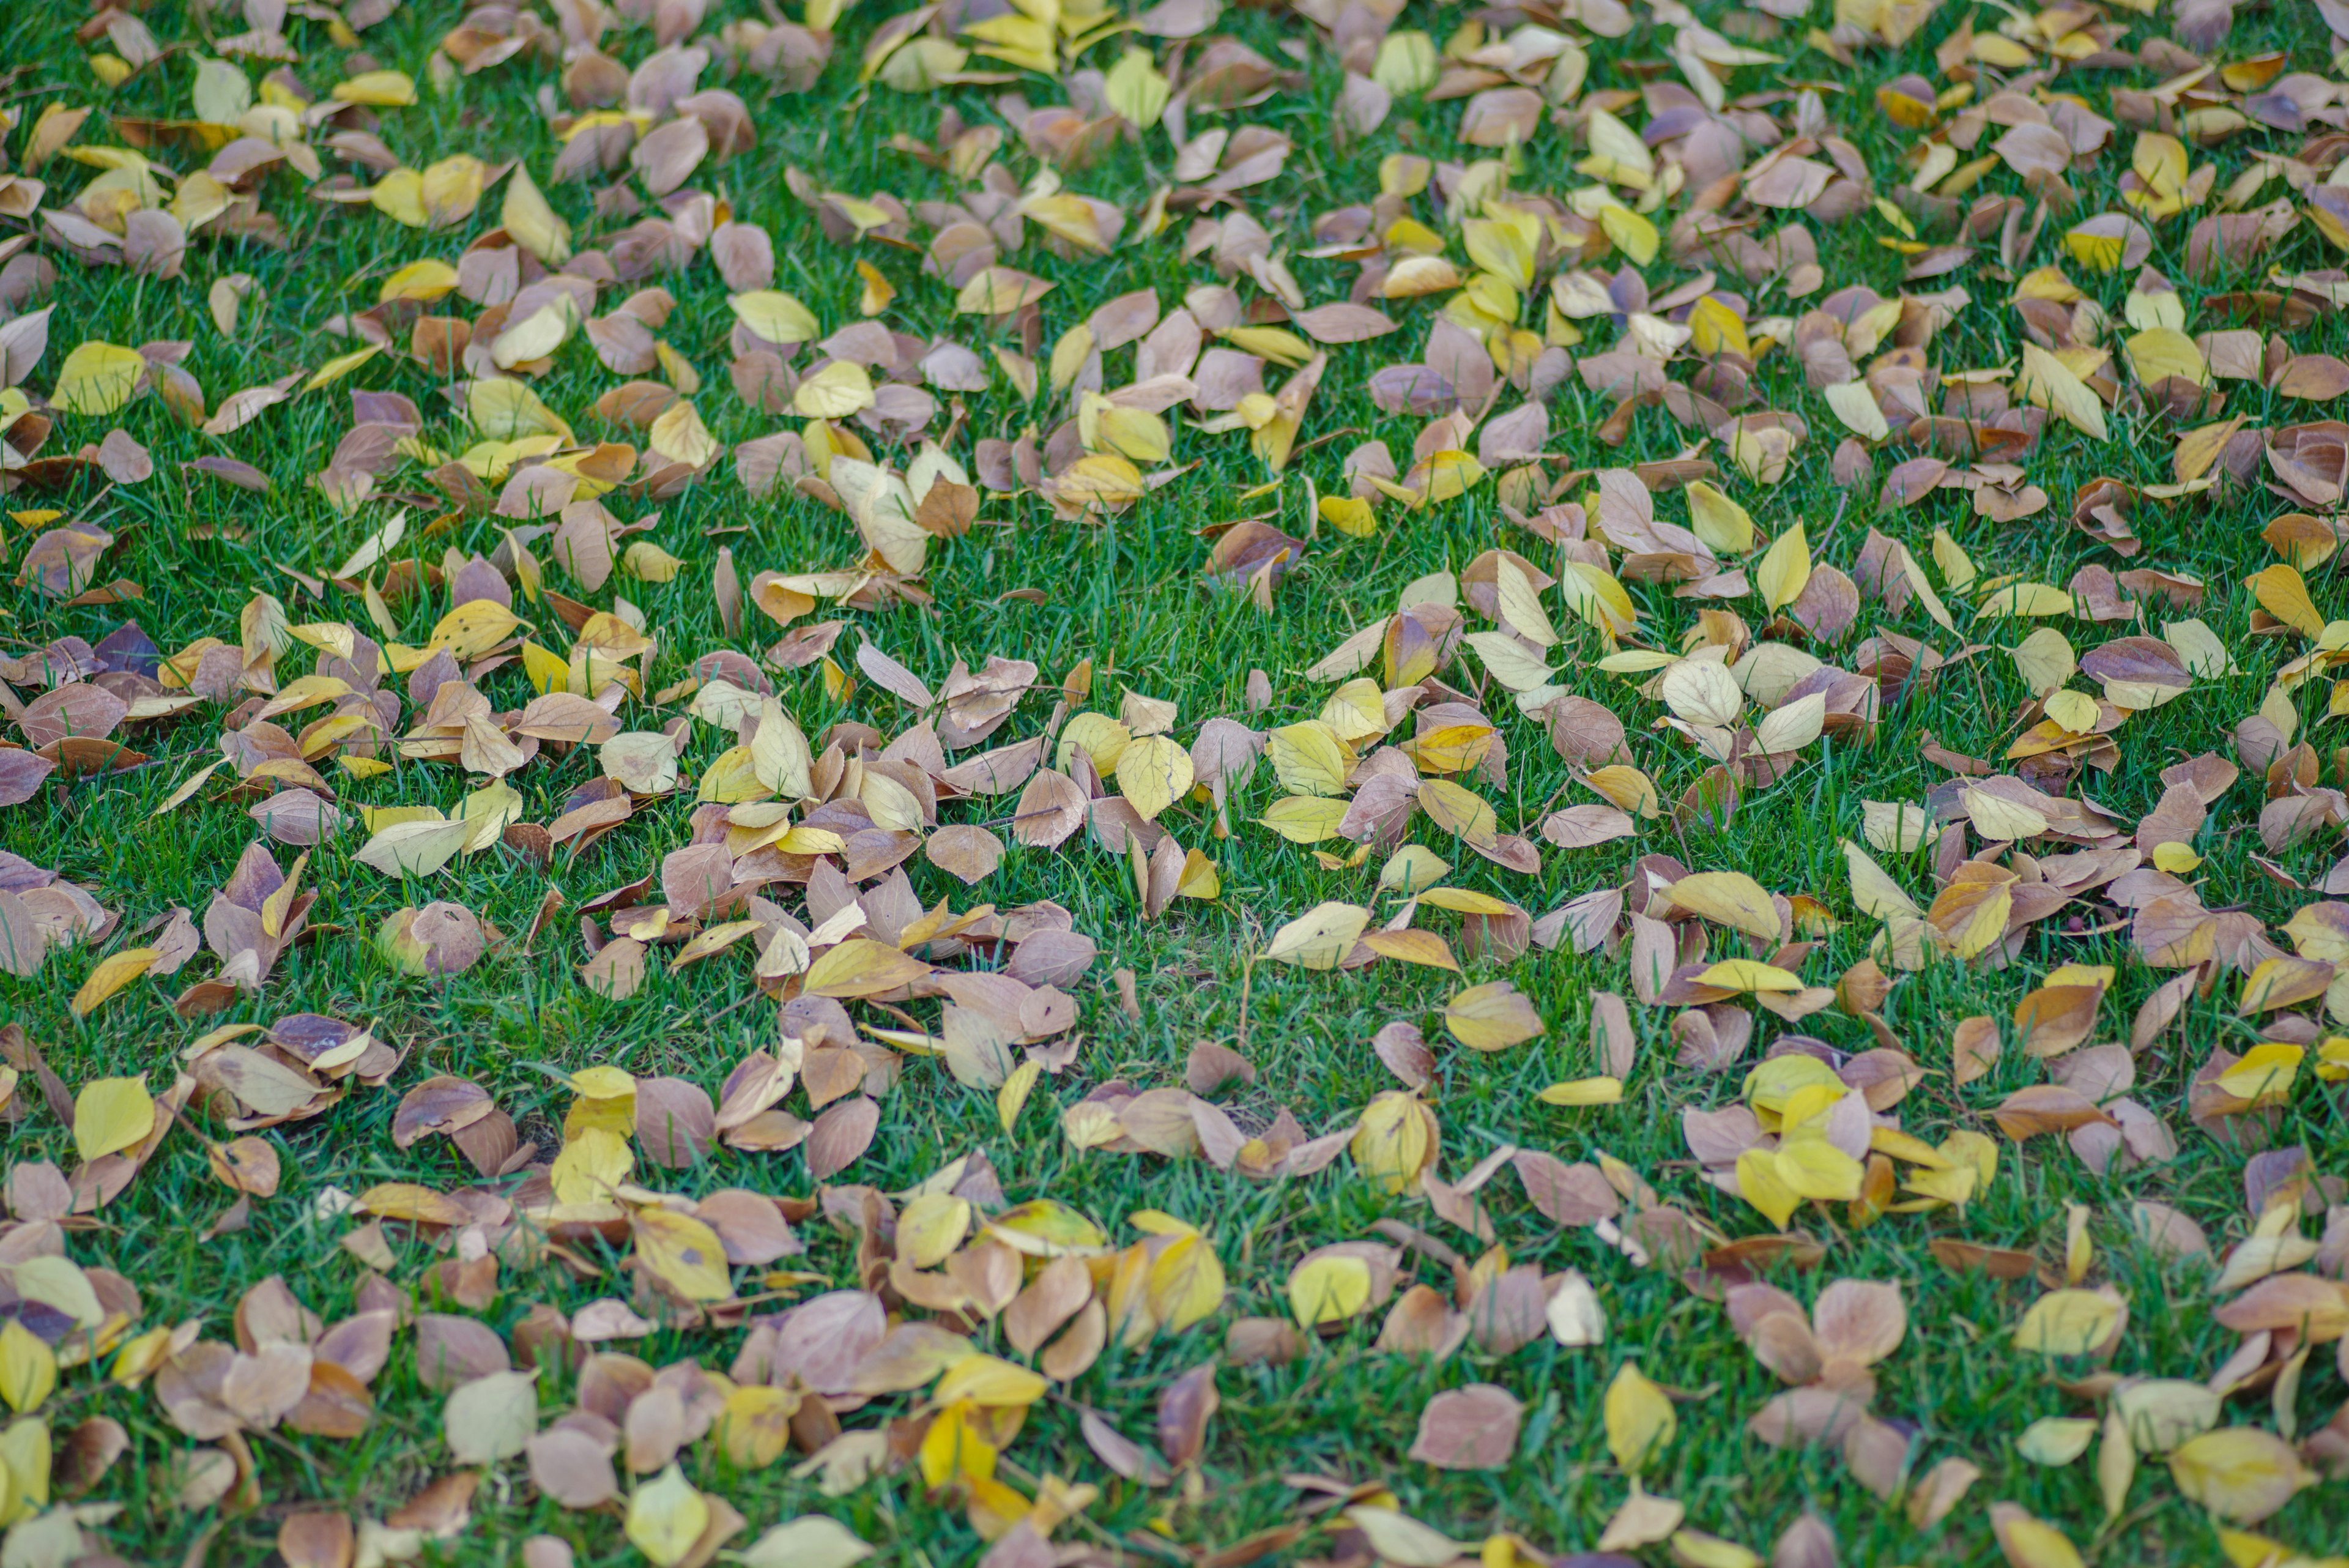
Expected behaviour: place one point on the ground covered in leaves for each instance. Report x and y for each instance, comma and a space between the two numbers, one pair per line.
1018, 781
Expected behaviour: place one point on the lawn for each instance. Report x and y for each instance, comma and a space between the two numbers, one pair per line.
1180, 786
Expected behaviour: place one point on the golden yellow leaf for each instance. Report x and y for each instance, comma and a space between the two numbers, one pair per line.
2239, 1473
1304, 818
1601, 1091
684, 1254
113, 972
2029, 1542
755, 1426
1394, 1140
376, 89
2048, 381
1726, 528
666, 1517
2068, 1323
1639, 1419
1760, 1185
1492, 1017
1153, 774
28, 1374
776, 317
1786, 569
111, 1114
841, 389
2283, 595
1186, 1284
862, 967
1329, 1289
1309, 758
1320, 938
97, 379
533, 224
1730, 899
990, 1381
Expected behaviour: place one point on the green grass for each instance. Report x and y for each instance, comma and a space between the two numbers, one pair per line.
1130, 595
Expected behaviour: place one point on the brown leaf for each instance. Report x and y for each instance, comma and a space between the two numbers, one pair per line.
2047, 1109
1121, 1453
316, 1540
840, 1135
675, 1121
965, 851
1343, 323
1185, 1408
1471, 1428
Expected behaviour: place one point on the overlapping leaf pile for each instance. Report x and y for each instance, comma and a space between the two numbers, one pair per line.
623, 528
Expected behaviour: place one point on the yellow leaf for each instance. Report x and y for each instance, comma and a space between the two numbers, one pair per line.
96, 379
2239, 1473
1186, 1283
1320, 938
2045, 659
1412, 947
1045, 1229
2160, 351
1726, 528
666, 1517
1759, 1181
755, 1426
1135, 89
1813, 1168
2068, 1323
1730, 899
775, 317
1102, 738
1013, 1095
1639, 1419
2056, 1440
2283, 595
1629, 233
508, 411
1627, 788
1594, 593
1492, 1017
424, 280
592, 1162
1856, 406
28, 1374
2048, 381
685, 1253
1786, 569
2025, 600
1303, 818
111, 1114
999, 290
932, 1226
990, 1381
1618, 154
841, 389
1872, 889
1584, 1091
113, 972
862, 967
1309, 758
1749, 974
533, 224
1329, 1288
2030, 1542
1394, 1140
376, 89
1153, 774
